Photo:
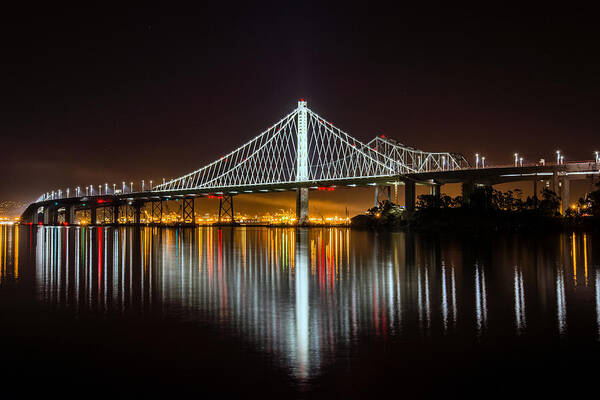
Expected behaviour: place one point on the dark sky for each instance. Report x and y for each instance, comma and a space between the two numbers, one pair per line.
151, 93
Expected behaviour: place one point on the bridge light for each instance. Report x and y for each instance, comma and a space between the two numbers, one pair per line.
597, 156
516, 159
482, 162
476, 160
521, 161
557, 156
562, 159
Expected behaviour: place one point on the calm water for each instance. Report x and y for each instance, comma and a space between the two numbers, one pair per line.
298, 311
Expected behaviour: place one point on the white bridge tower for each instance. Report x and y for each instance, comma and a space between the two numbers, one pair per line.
302, 164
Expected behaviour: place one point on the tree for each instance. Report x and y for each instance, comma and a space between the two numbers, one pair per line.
591, 203
550, 202
426, 202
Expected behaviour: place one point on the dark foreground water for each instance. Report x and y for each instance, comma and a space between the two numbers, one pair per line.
297, 312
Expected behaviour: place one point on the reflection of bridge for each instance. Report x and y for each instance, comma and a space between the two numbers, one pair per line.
303, 294
302, 151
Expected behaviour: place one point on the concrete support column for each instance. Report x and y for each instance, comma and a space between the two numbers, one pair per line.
379, 190
435, 191
47, 215
137, 213
555, 182
93, 216
54, 215
69, 214
376, 198
302, 206
409, 195
565, 195
467, 190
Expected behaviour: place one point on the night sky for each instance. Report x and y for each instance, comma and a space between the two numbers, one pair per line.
151, 93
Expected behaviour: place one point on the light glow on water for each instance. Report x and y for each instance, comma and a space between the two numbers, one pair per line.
302, 296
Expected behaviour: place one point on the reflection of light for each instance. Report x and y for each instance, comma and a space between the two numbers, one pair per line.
453, 291
480, 299
561, 302
519, 300
444, 298
302, 310
598, 301
585, 260
574, 261
423, 296
17, 252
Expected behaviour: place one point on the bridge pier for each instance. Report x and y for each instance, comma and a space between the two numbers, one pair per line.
50, 215
46, 216
379, 190
69, 215
565, 195
302, 206
115, 214
435, 191
93, 219
226, 209
188, 215
137, 213
467, 190
156, 211
409, 195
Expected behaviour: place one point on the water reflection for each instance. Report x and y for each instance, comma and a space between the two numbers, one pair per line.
480, 299
9, 252
520, 321
303, 295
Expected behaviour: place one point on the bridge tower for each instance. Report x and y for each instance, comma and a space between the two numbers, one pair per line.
302, 164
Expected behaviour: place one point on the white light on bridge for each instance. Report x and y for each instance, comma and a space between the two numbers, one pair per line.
516, 159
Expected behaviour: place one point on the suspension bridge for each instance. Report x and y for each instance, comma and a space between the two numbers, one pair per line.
301, 152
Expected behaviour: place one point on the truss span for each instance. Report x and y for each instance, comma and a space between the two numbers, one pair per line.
416, 161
